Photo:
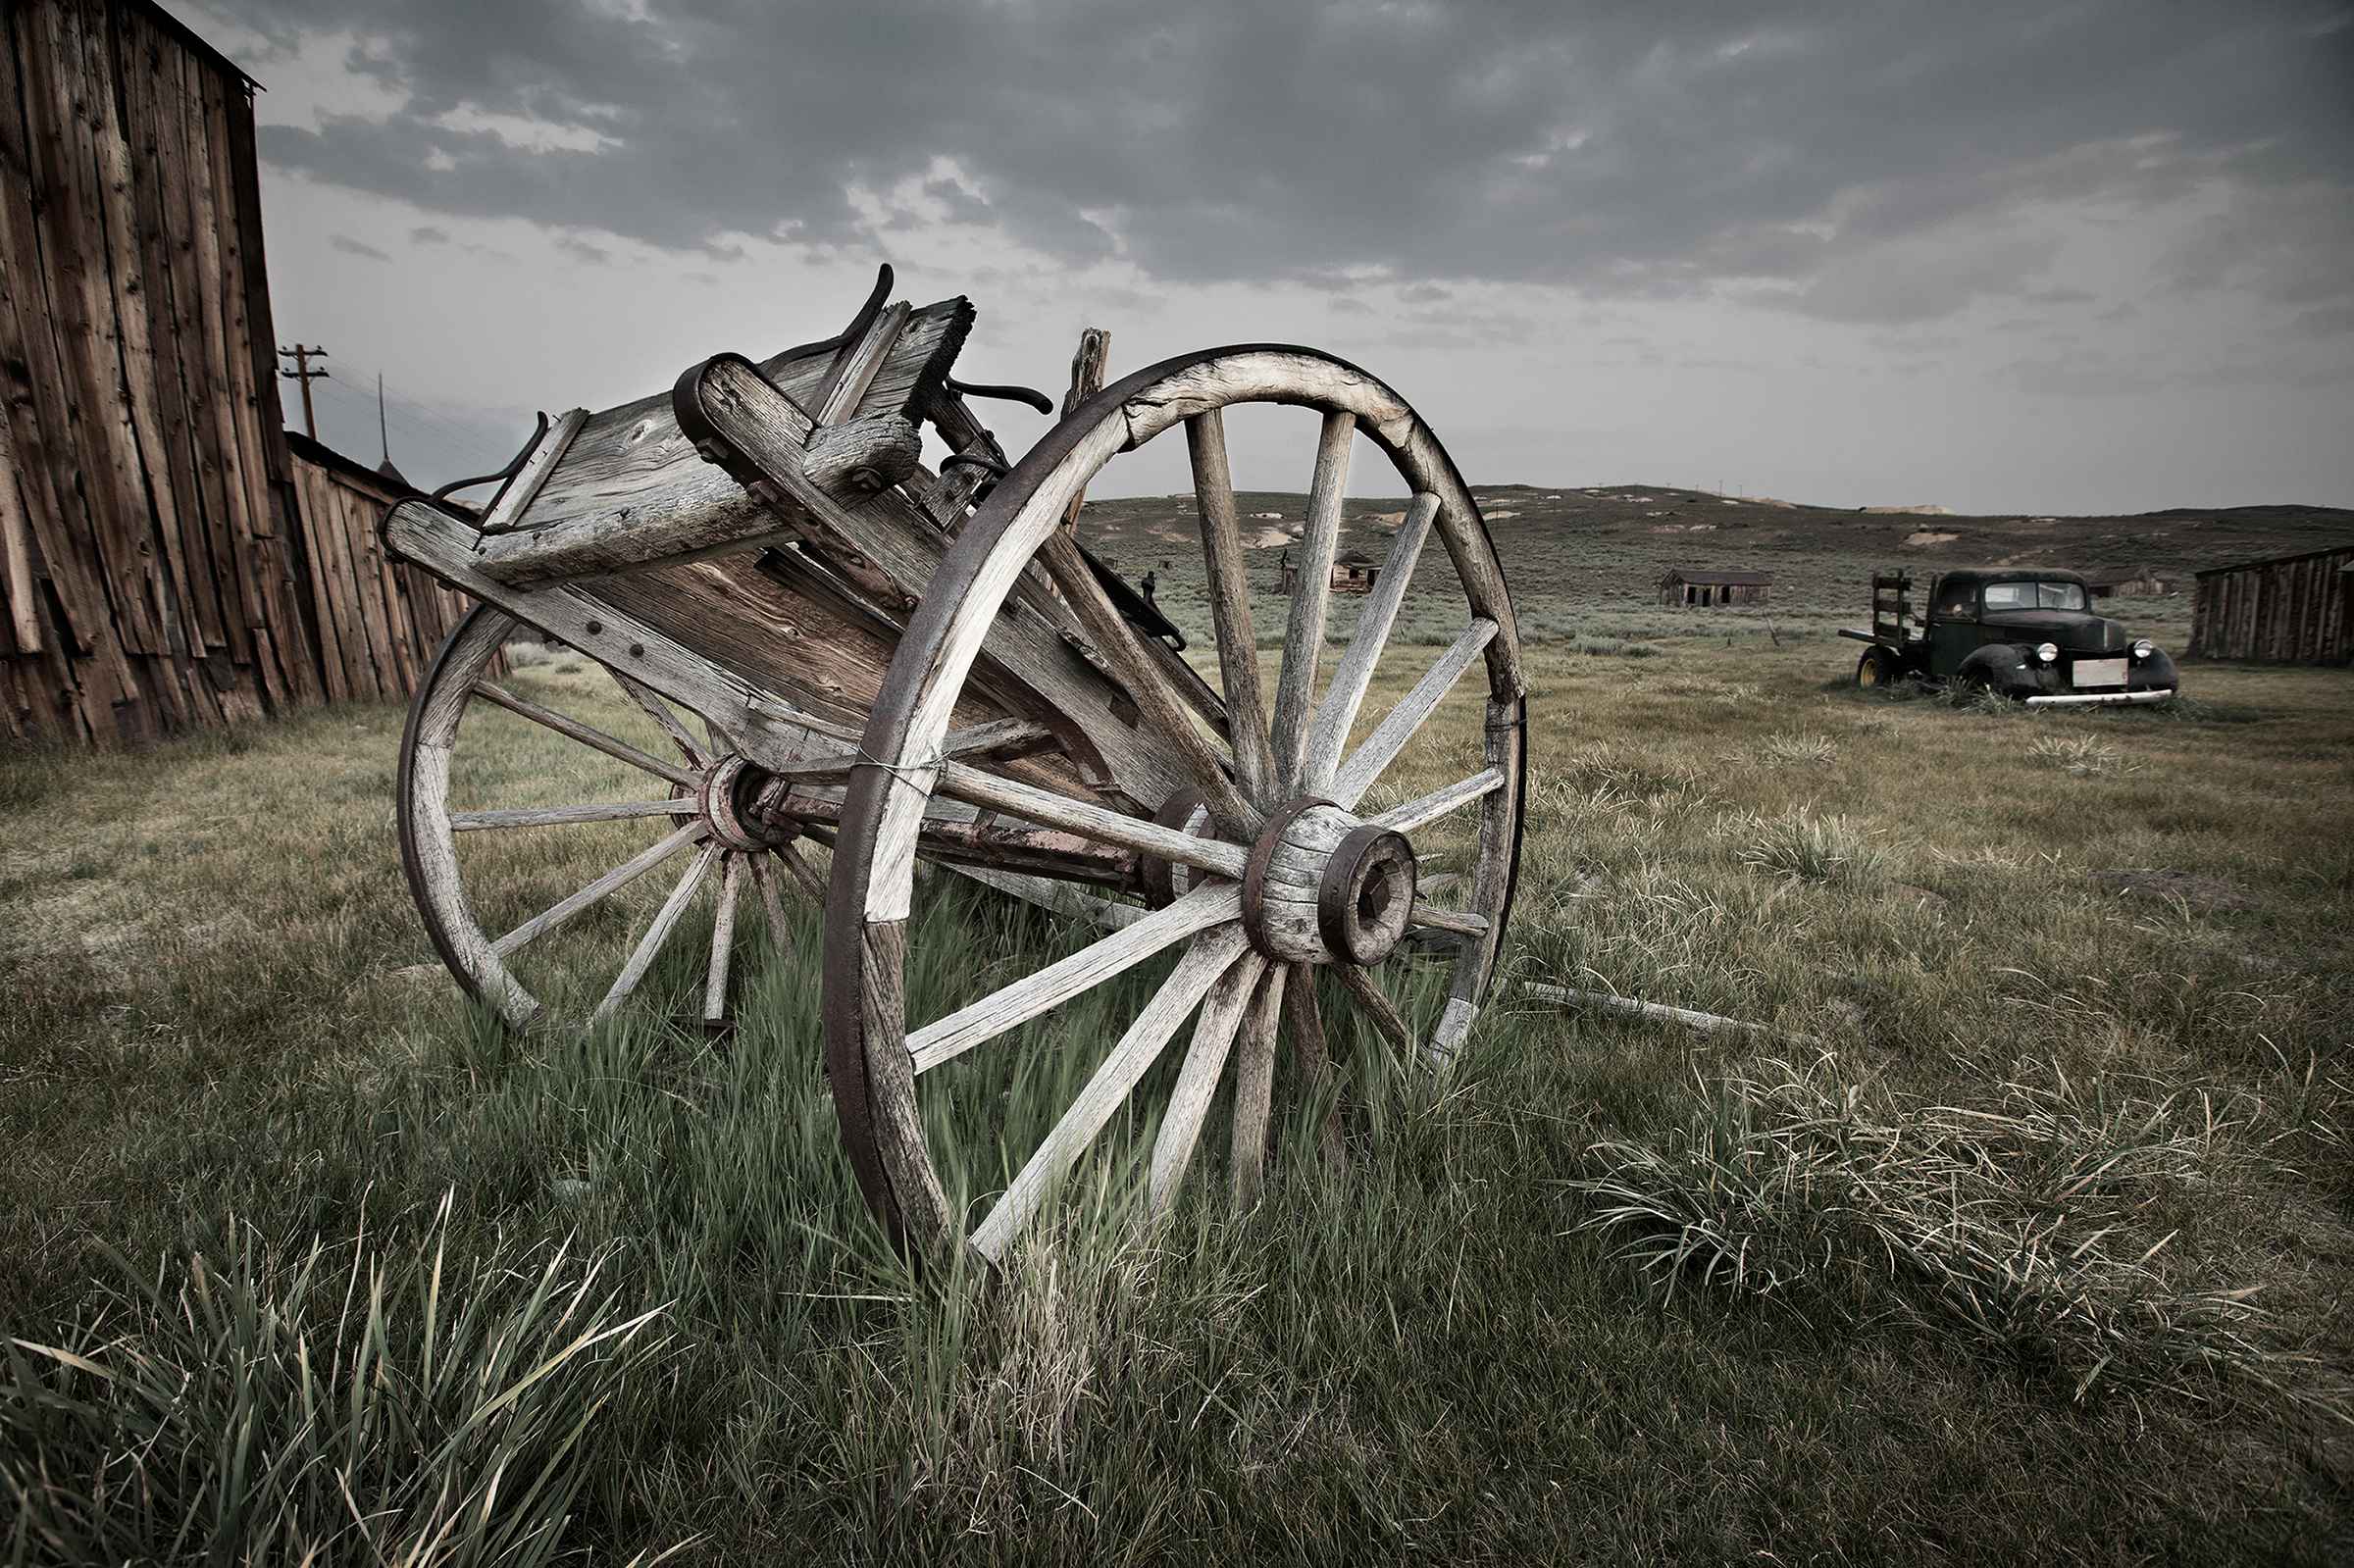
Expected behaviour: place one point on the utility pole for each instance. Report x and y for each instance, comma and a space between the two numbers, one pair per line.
302, 372
384, 437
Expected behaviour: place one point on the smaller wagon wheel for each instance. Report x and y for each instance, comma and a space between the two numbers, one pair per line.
1286, 849
505, 800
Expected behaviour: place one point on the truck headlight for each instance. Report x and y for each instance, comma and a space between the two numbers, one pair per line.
2143, 647
2047, 652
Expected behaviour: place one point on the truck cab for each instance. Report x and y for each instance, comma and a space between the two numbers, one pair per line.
2021, 632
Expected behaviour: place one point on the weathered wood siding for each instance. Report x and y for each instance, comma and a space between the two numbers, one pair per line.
152, 574
2290, 610
380, 621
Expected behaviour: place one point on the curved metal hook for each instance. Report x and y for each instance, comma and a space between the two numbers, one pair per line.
504, 475
1011, 394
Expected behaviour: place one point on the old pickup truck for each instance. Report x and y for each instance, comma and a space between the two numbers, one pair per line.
2020, 631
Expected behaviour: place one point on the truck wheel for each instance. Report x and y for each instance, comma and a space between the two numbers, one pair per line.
1875, 668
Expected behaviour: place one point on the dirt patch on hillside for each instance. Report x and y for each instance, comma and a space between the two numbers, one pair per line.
1924, 536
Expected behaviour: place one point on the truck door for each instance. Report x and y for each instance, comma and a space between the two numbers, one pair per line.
1953, 623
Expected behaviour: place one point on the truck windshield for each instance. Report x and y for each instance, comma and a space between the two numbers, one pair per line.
2034, 596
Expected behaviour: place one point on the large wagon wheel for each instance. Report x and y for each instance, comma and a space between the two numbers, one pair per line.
1276, 863
667, 803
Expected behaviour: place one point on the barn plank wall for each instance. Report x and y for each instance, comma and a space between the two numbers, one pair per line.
2292, 610
154, 571
379, 621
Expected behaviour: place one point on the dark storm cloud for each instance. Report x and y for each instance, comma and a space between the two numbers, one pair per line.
1860, 163
353, 247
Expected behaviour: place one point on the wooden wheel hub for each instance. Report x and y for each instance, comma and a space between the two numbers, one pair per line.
1324, 886
725, 799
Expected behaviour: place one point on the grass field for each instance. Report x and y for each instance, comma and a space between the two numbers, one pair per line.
2025, 1233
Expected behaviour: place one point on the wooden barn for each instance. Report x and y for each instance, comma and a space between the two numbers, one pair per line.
2134, 582
1681, 588
1353, 572
2291, 609
158, 569
151, 578
380, 621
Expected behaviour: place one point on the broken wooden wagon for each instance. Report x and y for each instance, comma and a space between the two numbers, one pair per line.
838, 645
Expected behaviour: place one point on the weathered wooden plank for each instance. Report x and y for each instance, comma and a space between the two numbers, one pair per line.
73, 244
1161, 701
319, 568
16, 553
128, 286
886, 531
1088, 363
512, 506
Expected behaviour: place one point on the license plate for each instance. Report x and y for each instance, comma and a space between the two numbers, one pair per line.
2100, 672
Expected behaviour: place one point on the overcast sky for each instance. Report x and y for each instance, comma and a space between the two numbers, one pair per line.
2056, 257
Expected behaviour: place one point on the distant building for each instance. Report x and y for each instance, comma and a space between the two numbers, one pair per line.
1682, 589
2134, 582
1353, 573
2290, 609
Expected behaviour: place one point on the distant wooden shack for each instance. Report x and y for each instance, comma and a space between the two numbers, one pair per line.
1682, 589
1353, 573
2290, 609
2134, 582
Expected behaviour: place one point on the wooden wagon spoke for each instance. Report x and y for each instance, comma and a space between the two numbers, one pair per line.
660, 711
560, 816
1155, 696
1423, 810
1230, 606
1000, 738
1461, 921
558, 915
979, 787
1389, 737
1328, 736
1198, 1079
1367, 991
1061, 897
1254, 1086
650, 945
1311, 598
812, 885
586, 735
947, 1038
1204, 962
723, 944
780, 930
